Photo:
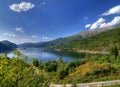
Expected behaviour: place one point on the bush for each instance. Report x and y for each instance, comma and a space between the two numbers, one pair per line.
35, 62
51, 67
114, 51
61, 73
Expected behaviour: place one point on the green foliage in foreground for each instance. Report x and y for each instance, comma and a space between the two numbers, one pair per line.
114, 51
16, 72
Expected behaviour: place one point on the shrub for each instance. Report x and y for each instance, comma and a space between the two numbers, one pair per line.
114, 51
35, 62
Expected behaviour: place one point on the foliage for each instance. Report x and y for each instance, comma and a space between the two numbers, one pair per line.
35, 62
16, 72
114, 51
74, 85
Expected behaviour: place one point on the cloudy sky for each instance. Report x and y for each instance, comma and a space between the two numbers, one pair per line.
44, 20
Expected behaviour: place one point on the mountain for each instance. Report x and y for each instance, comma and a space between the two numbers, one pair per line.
102, 41
28, 44
56, 42
7, 46
90, 39
8, 43
90, 33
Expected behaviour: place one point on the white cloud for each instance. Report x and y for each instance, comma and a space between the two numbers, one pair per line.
101, 20
96, 24
114, 10
101, 23
43, 3
34, 36
114, 22
9, 34
44, 38
20, 30
22, 7
87, 26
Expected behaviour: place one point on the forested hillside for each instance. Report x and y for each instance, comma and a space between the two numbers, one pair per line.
102, 41
88, 40
7, 46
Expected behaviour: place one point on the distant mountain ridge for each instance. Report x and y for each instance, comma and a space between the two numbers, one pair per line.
56, 42
60, 42
7, 46
28, 44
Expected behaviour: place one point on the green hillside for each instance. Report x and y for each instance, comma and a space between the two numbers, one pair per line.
88, 40
102, 41
7, 46
53, 43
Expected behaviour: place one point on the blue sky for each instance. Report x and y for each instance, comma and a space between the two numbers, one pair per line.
44, 20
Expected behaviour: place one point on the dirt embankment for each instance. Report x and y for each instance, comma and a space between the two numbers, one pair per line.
92, 52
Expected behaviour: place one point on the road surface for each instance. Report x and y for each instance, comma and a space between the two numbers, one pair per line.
93, 84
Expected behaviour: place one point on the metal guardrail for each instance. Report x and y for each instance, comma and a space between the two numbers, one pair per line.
93, 84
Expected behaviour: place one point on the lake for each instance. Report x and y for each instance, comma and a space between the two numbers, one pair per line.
44, 54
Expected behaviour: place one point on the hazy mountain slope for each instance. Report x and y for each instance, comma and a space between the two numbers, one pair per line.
56, 42
102, 41
26, 44
75, 40
7, 45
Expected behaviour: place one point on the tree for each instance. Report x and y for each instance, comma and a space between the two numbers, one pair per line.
51, 67
35, 62
114, 51
17, 53
60, 61
61, 73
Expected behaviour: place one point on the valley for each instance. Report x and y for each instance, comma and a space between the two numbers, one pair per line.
60, 43
97, 59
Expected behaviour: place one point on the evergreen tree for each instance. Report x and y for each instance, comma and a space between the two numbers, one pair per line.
114, 51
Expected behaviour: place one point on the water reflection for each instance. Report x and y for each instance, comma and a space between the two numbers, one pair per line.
43, 54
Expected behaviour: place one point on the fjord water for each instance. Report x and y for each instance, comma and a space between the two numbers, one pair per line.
44, 54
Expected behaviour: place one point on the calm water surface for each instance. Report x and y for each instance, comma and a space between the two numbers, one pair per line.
44, 54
